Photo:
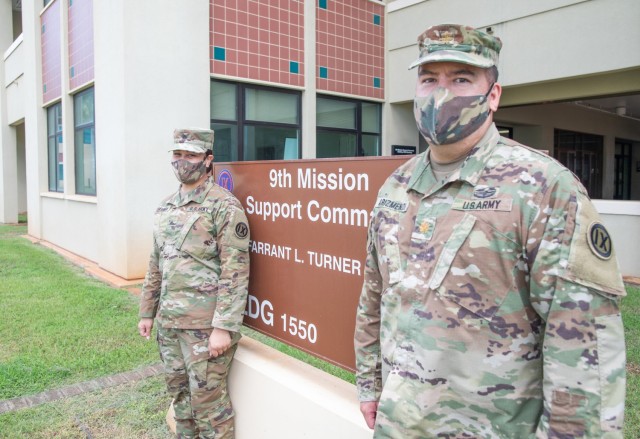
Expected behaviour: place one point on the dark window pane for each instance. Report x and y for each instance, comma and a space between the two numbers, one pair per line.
54, 148
225, 142
223, 101
370, 118
270, 143
271, 106
85, 143
370, 145
335, 144
333, 113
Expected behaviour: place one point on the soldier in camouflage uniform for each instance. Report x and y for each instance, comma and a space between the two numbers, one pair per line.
490, 305
196, 288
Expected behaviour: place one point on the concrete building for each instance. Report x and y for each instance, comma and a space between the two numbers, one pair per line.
92, 90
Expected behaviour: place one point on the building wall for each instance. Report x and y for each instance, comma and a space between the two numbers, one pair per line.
146, 85
8, 160
538, 122
524, 27
622, 219
21, 171
276, 396
151, 76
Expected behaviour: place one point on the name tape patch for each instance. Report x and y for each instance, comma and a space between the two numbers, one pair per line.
498, 204
391, 204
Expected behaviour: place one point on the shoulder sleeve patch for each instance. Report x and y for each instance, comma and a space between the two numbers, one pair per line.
236, 230
242, 230
592, 260
599, 241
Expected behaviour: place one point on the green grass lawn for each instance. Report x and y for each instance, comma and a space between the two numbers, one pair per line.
60, 327
631, 319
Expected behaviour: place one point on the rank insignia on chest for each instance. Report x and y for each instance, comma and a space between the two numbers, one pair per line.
424, 229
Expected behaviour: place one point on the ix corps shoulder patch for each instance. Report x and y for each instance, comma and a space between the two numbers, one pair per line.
599, 241
242, 230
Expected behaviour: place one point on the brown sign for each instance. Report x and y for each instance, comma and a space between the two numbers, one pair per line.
308, 221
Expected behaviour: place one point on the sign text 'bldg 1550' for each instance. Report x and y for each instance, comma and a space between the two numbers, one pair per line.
308, 221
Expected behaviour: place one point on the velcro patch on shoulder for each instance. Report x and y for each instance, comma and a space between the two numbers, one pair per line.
592, 259
237, 230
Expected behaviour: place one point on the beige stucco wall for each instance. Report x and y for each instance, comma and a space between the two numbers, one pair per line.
543, 40
276, 396
538, 122
147, 84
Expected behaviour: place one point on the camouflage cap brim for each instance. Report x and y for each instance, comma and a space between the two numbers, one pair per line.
472, 59
198, 149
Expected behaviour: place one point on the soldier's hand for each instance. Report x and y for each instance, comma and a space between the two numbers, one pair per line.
369, 410
144, 327
219, 342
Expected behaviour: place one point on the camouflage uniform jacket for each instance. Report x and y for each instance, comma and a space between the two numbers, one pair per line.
487, 309
199, 267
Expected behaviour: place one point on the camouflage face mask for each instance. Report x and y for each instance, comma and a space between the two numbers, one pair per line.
188, 172
445, 118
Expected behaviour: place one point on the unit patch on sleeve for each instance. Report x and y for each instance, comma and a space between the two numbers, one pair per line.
241, 230
599, 241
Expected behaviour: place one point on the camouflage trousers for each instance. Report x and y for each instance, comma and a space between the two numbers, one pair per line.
197, 383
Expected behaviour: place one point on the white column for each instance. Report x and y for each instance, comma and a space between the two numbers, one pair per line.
309, 93
8, 159
151, 76
35, 115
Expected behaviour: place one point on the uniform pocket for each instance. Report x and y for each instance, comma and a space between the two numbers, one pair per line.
196, 238
611, 362
476, 267
567, 415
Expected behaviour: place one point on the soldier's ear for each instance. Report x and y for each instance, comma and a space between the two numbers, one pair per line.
494, 97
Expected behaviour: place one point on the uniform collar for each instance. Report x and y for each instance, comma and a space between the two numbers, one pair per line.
197, 195
423, 181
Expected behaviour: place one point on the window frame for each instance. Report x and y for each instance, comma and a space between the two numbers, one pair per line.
242, 122
57, 134
358, 131
81, 127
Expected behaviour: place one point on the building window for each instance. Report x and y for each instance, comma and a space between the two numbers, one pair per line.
582, 154
54, 146
254, 123
85, 142
622, 170
347, 128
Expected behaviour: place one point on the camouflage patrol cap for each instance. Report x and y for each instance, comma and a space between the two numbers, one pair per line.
192, 139
457, 43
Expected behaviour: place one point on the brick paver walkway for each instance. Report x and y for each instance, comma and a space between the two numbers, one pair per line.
9, 405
